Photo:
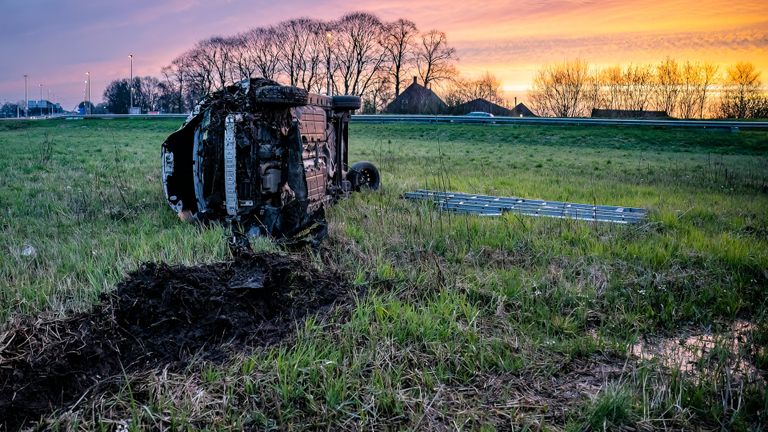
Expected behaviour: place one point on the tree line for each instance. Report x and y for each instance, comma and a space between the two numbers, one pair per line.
149, 94
357, 54
362, 55
681, 89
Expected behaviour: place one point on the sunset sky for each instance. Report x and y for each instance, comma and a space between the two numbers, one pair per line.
57, 41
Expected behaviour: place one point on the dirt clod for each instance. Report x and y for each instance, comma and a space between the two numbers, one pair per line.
160, 315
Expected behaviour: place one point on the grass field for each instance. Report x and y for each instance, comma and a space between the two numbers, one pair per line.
468, 323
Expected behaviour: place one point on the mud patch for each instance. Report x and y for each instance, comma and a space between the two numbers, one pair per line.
160, 315
697, 352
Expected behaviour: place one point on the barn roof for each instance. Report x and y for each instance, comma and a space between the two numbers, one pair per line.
481, 104
417, 99
520, 110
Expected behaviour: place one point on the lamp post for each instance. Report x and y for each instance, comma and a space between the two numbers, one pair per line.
88, 93
130, 85
26, 100
40, 101
85, 97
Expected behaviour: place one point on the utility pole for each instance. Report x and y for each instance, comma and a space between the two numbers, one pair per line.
85, 97
40, 102
130, 86
88, 93
26, 101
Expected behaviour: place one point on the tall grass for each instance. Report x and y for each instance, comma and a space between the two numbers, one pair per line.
466, 323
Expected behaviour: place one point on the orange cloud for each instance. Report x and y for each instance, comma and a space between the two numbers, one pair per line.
57, 43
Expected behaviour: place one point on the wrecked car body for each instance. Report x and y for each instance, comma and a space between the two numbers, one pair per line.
264, 157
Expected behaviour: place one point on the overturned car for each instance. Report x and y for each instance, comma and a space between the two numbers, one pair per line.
264, 157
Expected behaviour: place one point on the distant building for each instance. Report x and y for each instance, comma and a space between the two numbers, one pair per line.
484, 105
417, 99
480, 104
629, 114
520, 110
43, 107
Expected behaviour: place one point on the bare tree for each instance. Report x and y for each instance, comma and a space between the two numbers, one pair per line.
593, 95
636, 87
291, 48
559, 89
300, 47
261, 50
463, 90
243, 64
359, 53
208, 66
149, 93
695, 81
487, 87
610, 81
667, 85
217, 53
709, 77
173, 75
434, 58
690, 85
355, 54
741, 89
399, 37
379, 93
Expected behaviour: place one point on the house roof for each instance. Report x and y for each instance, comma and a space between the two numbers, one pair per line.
417, 99
481, 104
520, 110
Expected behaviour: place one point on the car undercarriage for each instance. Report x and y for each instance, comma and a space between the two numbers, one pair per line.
265, 158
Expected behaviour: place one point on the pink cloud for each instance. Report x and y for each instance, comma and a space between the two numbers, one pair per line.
56, 42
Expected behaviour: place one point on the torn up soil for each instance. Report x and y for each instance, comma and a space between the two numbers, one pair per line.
160, 315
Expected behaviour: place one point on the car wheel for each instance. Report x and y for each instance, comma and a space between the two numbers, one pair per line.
344, 103
364, 175
282, 96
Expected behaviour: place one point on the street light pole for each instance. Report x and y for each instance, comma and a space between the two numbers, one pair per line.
26, 100
88, 93
130, 85
85, 97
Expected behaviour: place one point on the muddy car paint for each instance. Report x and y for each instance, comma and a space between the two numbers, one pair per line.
265, 157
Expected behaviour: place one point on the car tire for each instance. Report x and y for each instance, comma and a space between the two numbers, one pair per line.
364, 175
346, 103
285, 96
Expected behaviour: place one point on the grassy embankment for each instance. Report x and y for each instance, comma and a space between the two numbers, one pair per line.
467, 322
